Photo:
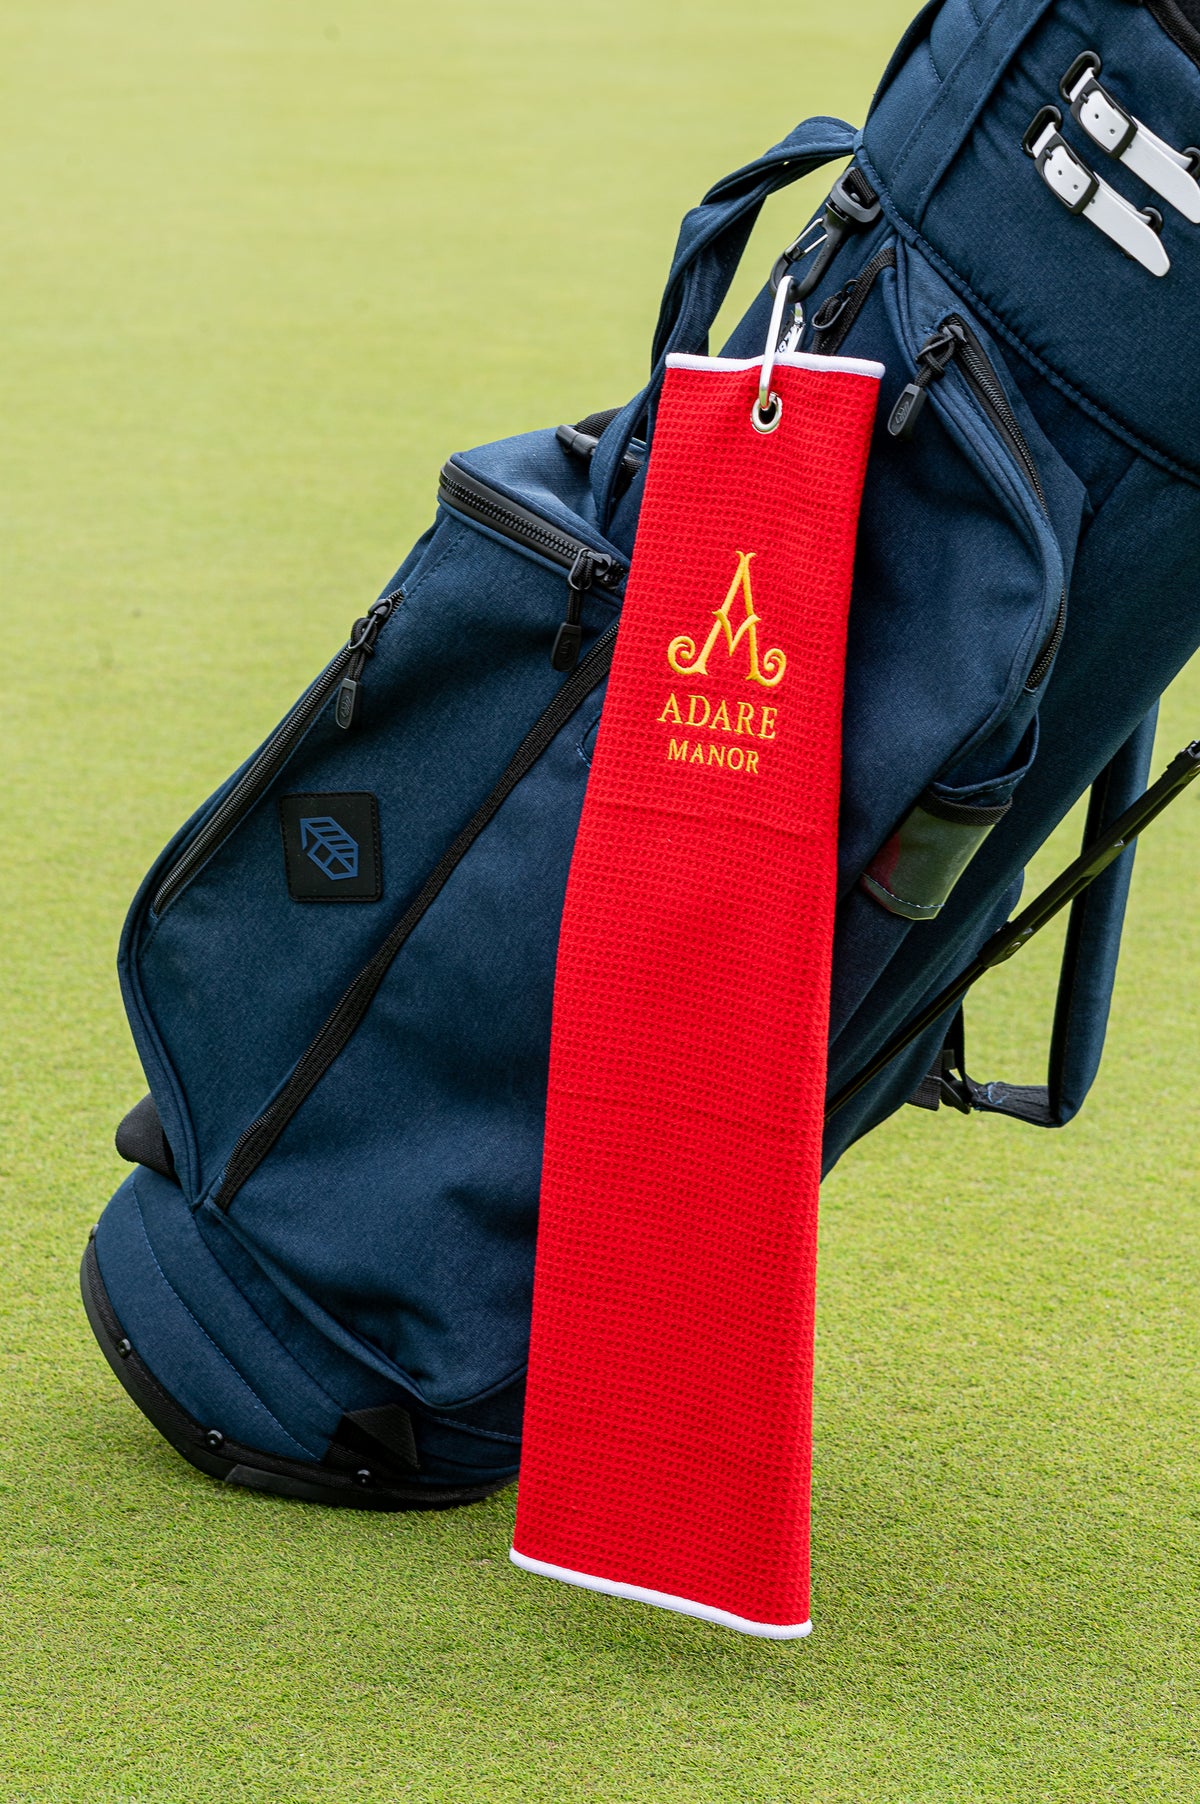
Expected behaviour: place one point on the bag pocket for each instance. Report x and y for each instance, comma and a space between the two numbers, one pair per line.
969, 524
232, 957
915, 870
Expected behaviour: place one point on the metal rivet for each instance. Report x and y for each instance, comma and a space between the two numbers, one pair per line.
364, 1476
215, 1439
124, 1348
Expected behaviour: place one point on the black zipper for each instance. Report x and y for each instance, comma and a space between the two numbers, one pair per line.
990, 391
585, 566
258, 777
1049, 651
256, 1141
348, 708
837, 313
467, 495
954, 340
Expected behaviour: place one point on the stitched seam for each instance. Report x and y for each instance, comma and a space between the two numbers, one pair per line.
587, 733
488, 1434
973, 54
926, 908
308, 1451
1128, 434
338, 1403
940, 100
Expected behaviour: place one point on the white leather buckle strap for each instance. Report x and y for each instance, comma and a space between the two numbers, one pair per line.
1170, 173
1081, 191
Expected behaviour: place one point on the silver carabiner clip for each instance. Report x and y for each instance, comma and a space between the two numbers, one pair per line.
768, 409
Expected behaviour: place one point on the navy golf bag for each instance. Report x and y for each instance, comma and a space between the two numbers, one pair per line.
339, 972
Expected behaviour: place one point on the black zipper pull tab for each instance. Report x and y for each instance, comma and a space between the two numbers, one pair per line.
347, 709
831, 310
933, 359
589, 567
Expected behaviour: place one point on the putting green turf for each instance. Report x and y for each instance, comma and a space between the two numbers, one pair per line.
264, 266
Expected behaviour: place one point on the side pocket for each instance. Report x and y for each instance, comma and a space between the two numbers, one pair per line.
914, 871
968, 530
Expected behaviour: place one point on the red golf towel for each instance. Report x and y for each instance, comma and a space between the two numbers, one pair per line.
667, 1446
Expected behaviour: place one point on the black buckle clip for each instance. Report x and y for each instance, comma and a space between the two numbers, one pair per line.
852, 206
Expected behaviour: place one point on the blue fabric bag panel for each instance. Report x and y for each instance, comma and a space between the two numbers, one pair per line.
228, 986
944, 146
403, 1194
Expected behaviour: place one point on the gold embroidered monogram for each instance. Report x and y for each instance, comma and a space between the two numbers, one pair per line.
681, 652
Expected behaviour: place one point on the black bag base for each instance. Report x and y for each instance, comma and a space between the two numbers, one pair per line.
342, 1482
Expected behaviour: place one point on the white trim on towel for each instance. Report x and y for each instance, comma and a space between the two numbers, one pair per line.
796, 360
663, 1600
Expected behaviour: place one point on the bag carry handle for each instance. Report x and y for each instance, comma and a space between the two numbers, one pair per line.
711, 241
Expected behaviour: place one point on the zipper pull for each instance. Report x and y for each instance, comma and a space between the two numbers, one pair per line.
589, 567
348, 707
933, 359
831, 310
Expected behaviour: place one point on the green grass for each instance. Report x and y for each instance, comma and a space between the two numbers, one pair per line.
265, 265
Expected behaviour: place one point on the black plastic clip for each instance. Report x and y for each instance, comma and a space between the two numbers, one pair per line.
852, 206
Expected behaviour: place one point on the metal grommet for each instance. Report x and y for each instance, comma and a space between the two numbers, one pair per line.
765, 419
124, 1348
364, 1476
215, 1439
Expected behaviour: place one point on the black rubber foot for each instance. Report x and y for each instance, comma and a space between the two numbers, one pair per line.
345, 1482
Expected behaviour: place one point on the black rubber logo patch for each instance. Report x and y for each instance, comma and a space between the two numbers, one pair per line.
331, 848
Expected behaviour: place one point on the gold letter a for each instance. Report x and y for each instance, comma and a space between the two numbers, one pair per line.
681, 653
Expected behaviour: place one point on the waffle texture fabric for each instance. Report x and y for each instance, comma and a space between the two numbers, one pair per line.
667, 1441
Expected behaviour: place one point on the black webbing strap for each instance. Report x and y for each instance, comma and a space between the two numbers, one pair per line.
1030, 1103
1089, 968
950, 1084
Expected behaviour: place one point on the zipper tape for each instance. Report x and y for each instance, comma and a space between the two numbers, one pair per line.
256, 781
835, 317
467, 495
954, 340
